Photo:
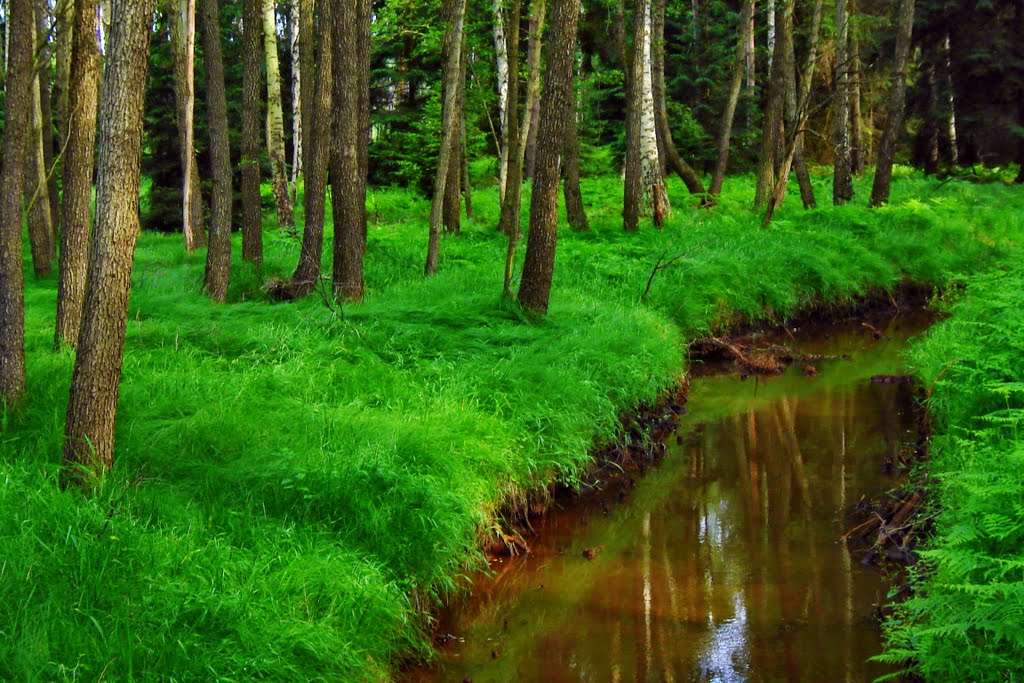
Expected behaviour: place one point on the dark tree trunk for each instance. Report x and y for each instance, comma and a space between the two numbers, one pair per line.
218, 254
556, 107
793, 115
452, 211
856, 127
1020, 91
510, 203
348, 166
46, 104
252, 88
95, 382
574, 209
670, 156
882, 184
467, 189
317, 121
735, 86
632, 195
78, 170
455, 13
17, 116
842, 180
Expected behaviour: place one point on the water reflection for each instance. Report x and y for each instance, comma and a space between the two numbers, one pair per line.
723, 564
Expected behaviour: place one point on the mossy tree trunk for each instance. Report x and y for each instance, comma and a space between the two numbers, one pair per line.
556, 108
95, 381
79, 161
218, 254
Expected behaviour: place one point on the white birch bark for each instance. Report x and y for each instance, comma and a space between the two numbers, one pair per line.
275, 118
293, 44
501, 71
654, 196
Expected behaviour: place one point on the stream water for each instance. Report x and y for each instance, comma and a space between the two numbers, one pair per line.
723, 562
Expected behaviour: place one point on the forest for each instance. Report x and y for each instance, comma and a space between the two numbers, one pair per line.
385, 339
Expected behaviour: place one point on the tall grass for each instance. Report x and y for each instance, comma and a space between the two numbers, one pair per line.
966, 619
295, 482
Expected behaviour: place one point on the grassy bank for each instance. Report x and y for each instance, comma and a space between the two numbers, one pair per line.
966, 619
295, 482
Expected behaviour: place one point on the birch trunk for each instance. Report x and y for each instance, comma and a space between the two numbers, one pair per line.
275, 119
950, 92
183, 36
295, 47
655, 197
508, 222
534, 45
501, 74
842, 180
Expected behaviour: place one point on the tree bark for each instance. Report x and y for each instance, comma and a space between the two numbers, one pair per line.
670, 156
252, 83
856, 117
773, 133
295, 47
508, 222
556, 107
449, 127
275, 119
452, 210
502, 76
793, 114
348, 170
953, 152
735, 86
92, 406
574, 209
37, 190
655, 195
882, 184
183, 33
17, 119
467, 189
842, 180
527, 131
78, 171
317, 121
218, 254
44, 57
633, 190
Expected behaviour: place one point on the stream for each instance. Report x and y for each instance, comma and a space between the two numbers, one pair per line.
722, 562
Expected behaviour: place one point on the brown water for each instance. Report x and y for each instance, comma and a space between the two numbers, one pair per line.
722, 563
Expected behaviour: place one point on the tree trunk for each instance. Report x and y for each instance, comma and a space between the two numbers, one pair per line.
793, 113
773, 134
467, 190
44, 55
92, 406
633, 190
842, 180
527, 131
735, 86
953, 152
295, 47
574, 209
37, 191
218, 254
452, 210
501, 73
348, 171
183, 33
252, 82
670, 156
65, 14
655, 195
856, 118
17, 119
556, 107
317, 121
275, 119
79, 160
882, 184
510, 201
449, 127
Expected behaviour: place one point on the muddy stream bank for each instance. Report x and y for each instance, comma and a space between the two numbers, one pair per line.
722, 562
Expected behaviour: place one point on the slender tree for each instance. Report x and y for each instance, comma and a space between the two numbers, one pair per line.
574, 209
46, 28
17, 119
534, 45
501, 75
856, 116
794, 124
882, 184
183, 37
735, 86
252, 82
772, 135
511, 197
348, 168
95, 382
651, 167
295, 48
317, 114
451, 212
667, 150
556, 107
275, 118
842, 180
218, 254
633, 189
79, 159
37, 191
449, 126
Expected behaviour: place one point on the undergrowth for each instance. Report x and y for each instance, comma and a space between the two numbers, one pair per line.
295, 483
966, 618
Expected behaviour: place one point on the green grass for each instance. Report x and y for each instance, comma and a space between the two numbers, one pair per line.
966, 619
295, 484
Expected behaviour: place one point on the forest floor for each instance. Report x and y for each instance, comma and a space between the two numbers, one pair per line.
297, 483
